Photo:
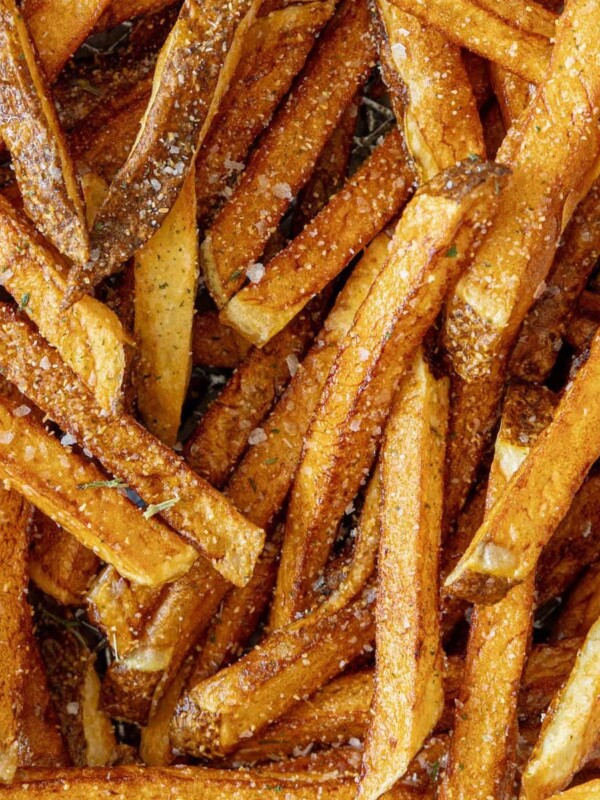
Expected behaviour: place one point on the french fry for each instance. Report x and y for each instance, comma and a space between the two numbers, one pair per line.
507, 546
223, 431
513, 94
239, 234
15, 517
494, 294
364, 205
544, 326
166, 279
58, 28
192, 507
75, 687
35, 463
584, 322
481, 759
32, 133
88, 336
582, 607
195, 783
570, 728
547, 668
215, 344
215, 715
515, 35
173, 127
59, 564
408, 649
373, 356
589, 790
274, 51
119, 11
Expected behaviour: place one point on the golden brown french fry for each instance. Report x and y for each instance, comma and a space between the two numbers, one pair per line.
373, 356
189, 84
513, 94
75, 687
239, 234
274, 51
120, 11
166, 280
59, 564
72, 491
215, 344
507, 546
58, 28
481, 759
493, 296
15, 517
513, 34
88, 336
589, 790
364, 205
223, 432
32, 133
584, 322
195, 783
409, 658
198, 512
547, 668
582, 607
570, 729
438, 132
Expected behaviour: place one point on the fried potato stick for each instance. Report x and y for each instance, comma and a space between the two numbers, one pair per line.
193, 72
481, 759
215, 344
373, 356
515, 35
198, 512
408, 699
581, 609
353, 216
31, 131
239, 234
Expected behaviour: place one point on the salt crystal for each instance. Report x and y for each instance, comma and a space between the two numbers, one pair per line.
283, 191
257, 436
255, 272
363, 354
45, 363
73, 708
292, 364
21, 411
67, 440
399, 51
6, 437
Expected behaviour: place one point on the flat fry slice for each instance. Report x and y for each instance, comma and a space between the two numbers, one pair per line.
274, 51
507, 546
570, 729
54, 479
408, 699
239, 234
200, 55
32, 133
481, 760
362, 207
215, 344
15, 516
88, 336
520, 41
166, 279
373, 356
197, 511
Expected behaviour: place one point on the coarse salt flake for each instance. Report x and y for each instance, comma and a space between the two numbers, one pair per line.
255, 272
257, 436
283, 191
6, 437
21, 411
292, 364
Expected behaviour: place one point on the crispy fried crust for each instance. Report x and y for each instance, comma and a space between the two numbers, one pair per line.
59, 564
239, 234
409, 658
32, 133
166, 280
200, 514
348, 222
505, 32
35, 463
373, 356
507, 546
88, 336
547, 668
122, 10
582, 607
274, 51
480, 764
192, 74
215, 344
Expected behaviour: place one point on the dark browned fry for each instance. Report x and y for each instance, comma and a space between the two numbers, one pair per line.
215, 344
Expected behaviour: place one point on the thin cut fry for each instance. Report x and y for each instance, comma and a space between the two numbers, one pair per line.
31, 131
191, 506
373, 356
364, 205
55, 479
215, 344
515, 35
582, 608
547, 669
200, 55
120, 11
239, 234
408, 699
166, 279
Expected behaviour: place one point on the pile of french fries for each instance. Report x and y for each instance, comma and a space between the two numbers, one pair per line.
299, 399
